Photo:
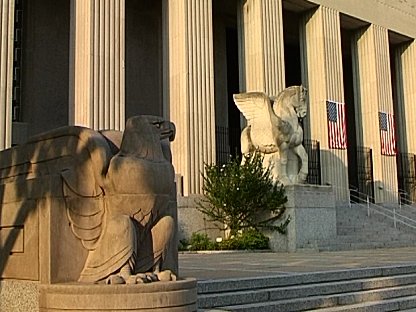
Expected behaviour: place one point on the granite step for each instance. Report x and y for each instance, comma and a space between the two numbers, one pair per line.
407, 303
364, 240
365, 237
324, 304
299, 292
331, 288
357, 231
223, 285
363, 245
386, 235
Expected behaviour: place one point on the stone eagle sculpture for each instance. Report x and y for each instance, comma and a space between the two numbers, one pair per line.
125, 219
273, 129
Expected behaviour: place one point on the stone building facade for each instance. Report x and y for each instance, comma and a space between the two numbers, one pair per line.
97, 62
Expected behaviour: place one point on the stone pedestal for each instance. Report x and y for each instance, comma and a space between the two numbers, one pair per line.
21, 296
313, 218
161, 296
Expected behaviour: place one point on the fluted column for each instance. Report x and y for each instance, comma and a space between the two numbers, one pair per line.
374, 94
191, 88
323, 76
97, 64
6, 68
406, 89
261, 26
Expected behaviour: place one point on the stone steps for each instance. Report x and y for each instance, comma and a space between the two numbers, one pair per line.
368, 289
406, 303
355, 242
376, 236
357, 231
408, 211
366, 245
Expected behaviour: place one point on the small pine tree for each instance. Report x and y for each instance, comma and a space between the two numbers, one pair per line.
243, 196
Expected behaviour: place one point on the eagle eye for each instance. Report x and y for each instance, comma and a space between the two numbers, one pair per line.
158, 124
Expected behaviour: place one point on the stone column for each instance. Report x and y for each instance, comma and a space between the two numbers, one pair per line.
323, 76
406, 78
374, 94
261, 26
191, 88
6, 71
97, 64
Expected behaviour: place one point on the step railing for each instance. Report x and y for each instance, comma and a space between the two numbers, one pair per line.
371, 207
404, 199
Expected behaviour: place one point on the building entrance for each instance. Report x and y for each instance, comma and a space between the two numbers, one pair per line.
226, 67
293, 77
144, 58
360, 169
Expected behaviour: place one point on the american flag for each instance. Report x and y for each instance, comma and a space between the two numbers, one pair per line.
387, 138
337, 129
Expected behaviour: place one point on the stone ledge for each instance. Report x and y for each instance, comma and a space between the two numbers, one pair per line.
179, 296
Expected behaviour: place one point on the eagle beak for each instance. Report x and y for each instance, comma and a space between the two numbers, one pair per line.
168, 131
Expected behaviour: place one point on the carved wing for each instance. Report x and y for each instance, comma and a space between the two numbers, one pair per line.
85, 212
82, 184
256, 108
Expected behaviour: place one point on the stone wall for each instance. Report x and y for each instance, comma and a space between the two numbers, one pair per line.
190, 220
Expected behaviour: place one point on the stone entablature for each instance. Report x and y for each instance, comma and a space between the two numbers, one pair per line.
401, 16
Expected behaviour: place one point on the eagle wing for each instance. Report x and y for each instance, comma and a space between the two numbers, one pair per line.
85, 213
82, 184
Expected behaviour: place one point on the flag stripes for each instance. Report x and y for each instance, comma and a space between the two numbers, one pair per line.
387, 136
337, 129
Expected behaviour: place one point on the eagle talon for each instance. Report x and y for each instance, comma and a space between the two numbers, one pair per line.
115, 279
166, 276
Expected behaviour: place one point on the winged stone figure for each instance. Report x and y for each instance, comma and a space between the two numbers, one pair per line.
273, 129
126, 221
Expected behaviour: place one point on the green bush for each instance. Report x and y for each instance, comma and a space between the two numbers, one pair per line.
252, 239
243, 196
247, 240
198, 241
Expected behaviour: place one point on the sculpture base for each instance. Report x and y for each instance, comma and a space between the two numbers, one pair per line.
179, 296
313, 218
